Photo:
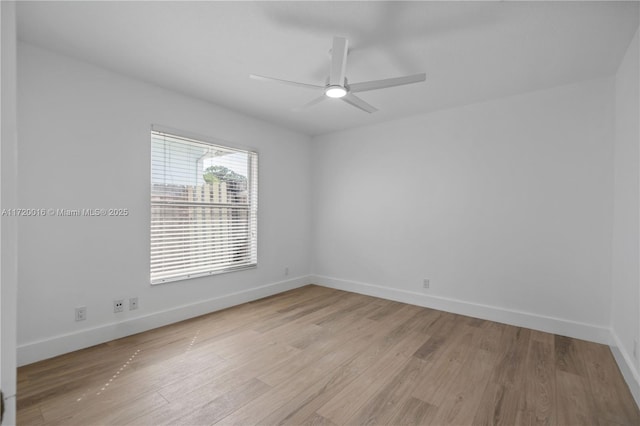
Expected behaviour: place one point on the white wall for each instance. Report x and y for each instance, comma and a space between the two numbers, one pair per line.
8, 228
85, 143
625, 307
505, 206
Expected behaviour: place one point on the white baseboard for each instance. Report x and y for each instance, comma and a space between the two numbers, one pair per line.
626, 365
553, 325
57, 345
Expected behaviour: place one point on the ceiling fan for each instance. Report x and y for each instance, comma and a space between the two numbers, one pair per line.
338, 86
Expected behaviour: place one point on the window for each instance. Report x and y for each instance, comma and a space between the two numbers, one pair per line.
204, 208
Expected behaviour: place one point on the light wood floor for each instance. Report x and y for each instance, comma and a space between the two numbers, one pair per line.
321, 356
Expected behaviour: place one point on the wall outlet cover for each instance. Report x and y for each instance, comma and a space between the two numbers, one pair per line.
118, 305
81, 313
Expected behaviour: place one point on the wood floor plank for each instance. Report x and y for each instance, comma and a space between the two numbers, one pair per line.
104, 388
254, 412
303, 405
575, 404
424, 320
465, 394
510, 367
347, 402
30, 416
414, 412
567, 357
241, 370
303, 310
490, 407
440, 331
225, 404
355, 331
321, 356
538, 406
219, 389
541, 336
317, 371
507, 395
389, 399
301, 408
103, 412
336, 317
352, 330
445, 365
317, 420
368, 348
490, 335
386, 310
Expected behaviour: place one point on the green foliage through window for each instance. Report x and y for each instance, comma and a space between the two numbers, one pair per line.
222, 174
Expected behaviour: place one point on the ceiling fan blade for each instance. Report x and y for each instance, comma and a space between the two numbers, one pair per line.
338, 61
312, 103
358, 103
389, 82
290, 83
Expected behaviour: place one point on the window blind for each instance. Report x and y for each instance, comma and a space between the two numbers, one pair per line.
204, 208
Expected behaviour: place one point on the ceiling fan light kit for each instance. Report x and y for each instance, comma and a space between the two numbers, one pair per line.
335, 91
337, 87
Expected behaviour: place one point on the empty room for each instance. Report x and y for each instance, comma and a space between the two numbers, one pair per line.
320, 213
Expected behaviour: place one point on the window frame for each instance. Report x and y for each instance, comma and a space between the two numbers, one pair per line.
252, 208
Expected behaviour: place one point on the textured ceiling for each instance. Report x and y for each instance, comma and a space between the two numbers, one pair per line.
470, 51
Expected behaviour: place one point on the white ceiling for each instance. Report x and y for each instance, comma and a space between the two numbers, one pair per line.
471, 51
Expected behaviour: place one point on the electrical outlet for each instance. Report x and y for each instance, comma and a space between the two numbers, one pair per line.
81, 313
133, 303
286, 270
425, 283
118, 305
